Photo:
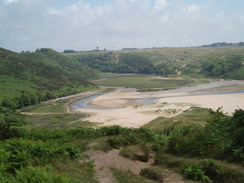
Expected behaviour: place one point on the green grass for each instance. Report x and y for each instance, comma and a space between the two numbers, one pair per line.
145, 82
43, 71
11, 87
190, 54
81, 172
100, 143
84, 124
195, 116
53, 114
52, 120
46, 107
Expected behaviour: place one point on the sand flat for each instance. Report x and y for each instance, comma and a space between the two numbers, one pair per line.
129, 113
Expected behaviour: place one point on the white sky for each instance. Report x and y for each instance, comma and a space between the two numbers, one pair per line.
115, 24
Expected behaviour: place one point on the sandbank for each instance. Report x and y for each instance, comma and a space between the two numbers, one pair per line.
128, 112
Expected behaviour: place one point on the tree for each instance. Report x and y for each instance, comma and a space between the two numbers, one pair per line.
8, 103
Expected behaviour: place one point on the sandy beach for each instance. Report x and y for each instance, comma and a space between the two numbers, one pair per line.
131, 113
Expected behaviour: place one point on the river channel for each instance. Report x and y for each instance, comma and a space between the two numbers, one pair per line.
214, 88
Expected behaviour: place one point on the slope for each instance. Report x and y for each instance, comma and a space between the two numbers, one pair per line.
214, 62
43, 70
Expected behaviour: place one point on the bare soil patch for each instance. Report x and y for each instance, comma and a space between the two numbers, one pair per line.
103, 161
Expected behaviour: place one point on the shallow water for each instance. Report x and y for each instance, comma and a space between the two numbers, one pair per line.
199, 88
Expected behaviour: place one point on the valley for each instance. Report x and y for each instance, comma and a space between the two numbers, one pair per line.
75, 124
134, 109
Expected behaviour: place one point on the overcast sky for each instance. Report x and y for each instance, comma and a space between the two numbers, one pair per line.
115, 24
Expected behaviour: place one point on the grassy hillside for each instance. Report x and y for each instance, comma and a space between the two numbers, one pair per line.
216, 62
44, 70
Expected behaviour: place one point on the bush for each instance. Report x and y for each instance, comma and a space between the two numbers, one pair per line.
195, 142
7, 121
209, 171
152, 174
221, 138
195, 172
116, 142
110, 130
210, 168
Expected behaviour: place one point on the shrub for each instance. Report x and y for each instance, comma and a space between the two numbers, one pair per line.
210, 168
115, 142
110, 130
208, 171
194, 143
152, 174
195, 172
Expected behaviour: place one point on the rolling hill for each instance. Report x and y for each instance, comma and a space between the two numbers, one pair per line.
208, 62
43, 70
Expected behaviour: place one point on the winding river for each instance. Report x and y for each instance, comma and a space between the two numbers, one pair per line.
214, 88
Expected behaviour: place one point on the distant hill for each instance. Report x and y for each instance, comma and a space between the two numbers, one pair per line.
209, 61
224, 44
43, 70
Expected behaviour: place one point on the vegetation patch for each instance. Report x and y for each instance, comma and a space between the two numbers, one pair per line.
136, 152
128, 177
195, 116
146, 82
199, 62
55, 120
209, 171
155, 173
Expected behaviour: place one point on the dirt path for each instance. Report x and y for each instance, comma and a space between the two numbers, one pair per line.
112, 159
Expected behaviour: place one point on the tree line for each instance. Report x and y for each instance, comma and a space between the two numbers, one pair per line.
229, 67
